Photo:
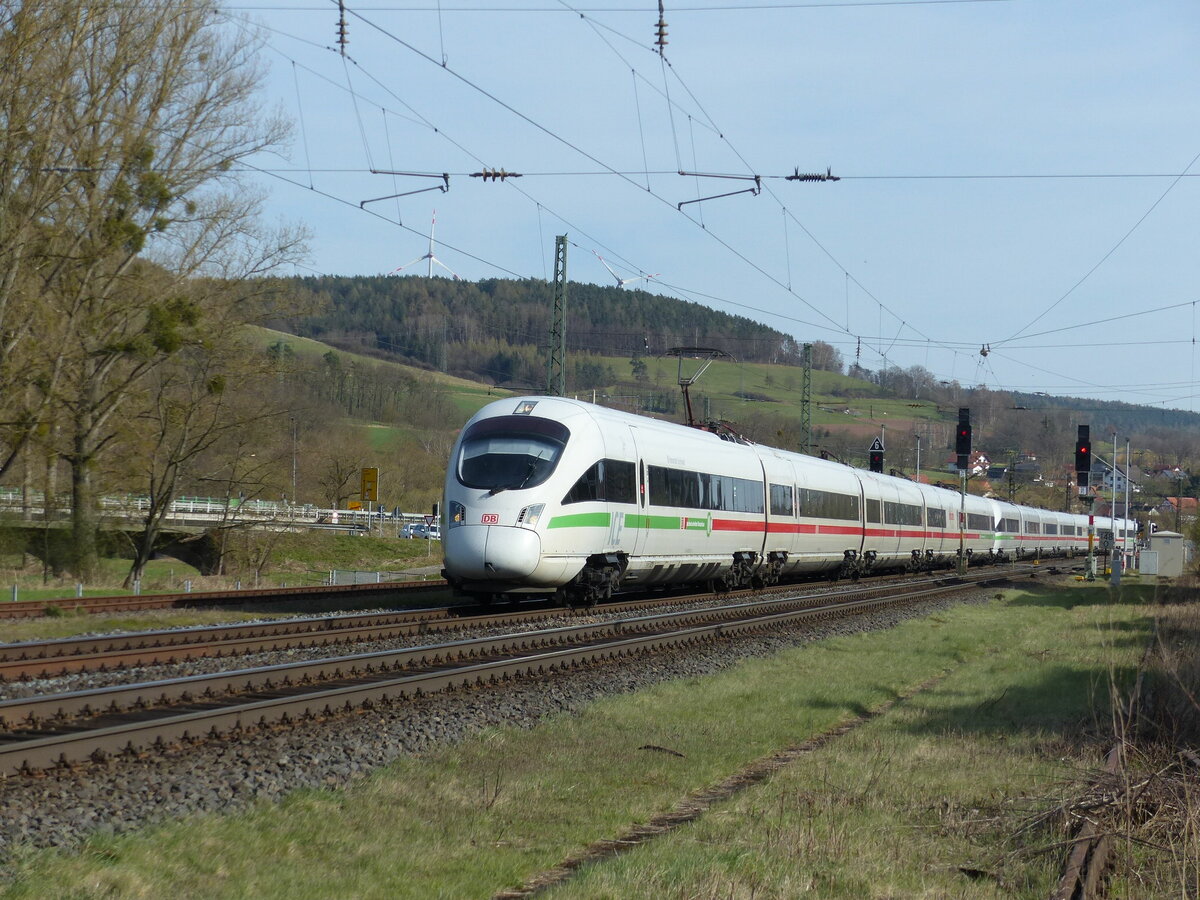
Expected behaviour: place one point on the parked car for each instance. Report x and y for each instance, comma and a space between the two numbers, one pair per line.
421, 530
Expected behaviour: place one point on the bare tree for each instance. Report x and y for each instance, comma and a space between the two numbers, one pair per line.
339, 457
146, 111
187, 412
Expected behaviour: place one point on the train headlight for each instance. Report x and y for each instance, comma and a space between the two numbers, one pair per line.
531, 514
458, 513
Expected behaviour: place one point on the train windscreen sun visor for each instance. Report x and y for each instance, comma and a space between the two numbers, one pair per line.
510, 452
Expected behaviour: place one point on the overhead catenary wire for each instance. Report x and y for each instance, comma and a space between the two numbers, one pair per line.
550, 133
610, 171
1088, 274
787, 284
303, 129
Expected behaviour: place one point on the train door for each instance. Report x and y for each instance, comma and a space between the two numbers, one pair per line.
627, 528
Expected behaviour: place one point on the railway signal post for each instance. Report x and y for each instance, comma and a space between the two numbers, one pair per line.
1083, 468
962, 448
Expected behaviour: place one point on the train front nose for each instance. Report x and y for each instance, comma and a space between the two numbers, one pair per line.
491, 552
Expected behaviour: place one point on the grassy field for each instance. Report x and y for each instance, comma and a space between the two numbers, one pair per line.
993, 708
735, 389
295, 558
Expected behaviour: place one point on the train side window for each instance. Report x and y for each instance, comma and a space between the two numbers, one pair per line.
619, 486
937, 517
901, 513
977, 522
748, 496
702, 490
781, 500
588, 487
608, 479
873, 511
816, 504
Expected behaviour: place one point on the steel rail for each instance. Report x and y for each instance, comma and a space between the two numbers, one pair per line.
28, 608
290, 693
96, 701
61, 656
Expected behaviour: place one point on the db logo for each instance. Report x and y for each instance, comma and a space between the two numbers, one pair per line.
490, 519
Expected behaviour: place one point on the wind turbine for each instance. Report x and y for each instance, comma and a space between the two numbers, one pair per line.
621, 282
429, 256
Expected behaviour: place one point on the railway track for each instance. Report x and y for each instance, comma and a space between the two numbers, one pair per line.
61, 730
115, 604
59, 657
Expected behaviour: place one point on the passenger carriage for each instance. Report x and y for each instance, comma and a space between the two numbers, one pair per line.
551, 495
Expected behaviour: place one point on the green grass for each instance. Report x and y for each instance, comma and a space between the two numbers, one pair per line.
891, 809
838, 400
71, 624
319, 551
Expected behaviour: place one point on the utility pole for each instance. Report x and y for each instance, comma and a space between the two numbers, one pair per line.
556, 364
1115, 556
806, 403
293, 460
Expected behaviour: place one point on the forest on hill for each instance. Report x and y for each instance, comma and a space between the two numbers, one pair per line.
497, 330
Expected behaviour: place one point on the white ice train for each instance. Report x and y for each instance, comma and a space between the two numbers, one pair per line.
552, 495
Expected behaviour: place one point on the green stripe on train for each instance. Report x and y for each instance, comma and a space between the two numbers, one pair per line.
582, 520
671, 523
603, 520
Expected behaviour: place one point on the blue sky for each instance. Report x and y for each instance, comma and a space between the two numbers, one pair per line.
1013, 172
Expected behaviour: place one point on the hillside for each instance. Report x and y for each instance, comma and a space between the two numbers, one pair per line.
412, 356
491, 330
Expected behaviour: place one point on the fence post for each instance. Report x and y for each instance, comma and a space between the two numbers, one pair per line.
79, 590
14, 599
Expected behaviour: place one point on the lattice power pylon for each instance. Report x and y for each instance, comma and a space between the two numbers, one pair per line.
806, 403
556, 364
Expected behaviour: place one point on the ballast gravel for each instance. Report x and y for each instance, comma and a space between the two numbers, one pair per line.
228, 775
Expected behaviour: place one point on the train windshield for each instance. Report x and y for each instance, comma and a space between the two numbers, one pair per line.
510, 452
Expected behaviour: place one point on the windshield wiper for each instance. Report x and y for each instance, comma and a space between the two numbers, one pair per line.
529, 473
